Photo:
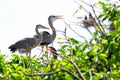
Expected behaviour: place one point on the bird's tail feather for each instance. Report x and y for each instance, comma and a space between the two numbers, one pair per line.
12, 48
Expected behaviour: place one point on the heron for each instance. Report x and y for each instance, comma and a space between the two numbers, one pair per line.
88, 22
53, 51
47, 37
112, 27
28, 43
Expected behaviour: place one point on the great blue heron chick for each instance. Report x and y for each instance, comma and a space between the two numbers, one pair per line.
88, 22
27, 43
53, 51
112, 27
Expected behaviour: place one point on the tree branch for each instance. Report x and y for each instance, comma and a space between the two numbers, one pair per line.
97, 18
90, 74
40, 73
82, 6
70, 73
78, 70
74, 31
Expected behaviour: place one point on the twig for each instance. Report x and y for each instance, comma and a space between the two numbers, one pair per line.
78, 70
90, 74
97, 18
74, 31
41, 73
70, 73
89, 32
82, 6
62, 42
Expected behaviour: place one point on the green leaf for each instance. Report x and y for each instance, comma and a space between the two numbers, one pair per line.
104, 18
60, 38
64, 46
103, 55
73, 41
75, 12
68, 77
101, 15
104, 41
84, 46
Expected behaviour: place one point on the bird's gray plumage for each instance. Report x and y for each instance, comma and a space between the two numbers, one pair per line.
47, 38
24, 44
28, 43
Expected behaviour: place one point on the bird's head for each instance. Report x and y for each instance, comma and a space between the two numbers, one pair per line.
85, 17
52, 49
53, 17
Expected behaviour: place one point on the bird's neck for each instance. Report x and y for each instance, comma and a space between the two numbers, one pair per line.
36, 29
40, 36
53, 30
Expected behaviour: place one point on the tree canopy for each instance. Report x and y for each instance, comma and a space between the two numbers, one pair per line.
94, 59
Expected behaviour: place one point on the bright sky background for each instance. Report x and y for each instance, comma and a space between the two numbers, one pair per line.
18, 18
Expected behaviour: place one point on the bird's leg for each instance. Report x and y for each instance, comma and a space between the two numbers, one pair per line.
47, 51
42, 54
30, 62
89, 31
30, 54
21, 55
42, 48
27, 54
46, 47
42, 51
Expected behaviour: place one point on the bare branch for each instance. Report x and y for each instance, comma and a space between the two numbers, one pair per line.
90, 74
40, 73
78, 70
97, 18
62, 42
75, 31
82, 6
70, 73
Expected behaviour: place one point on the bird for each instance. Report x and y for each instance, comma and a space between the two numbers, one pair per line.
53, 51
47, 37
27, 43
89, 21
112, 27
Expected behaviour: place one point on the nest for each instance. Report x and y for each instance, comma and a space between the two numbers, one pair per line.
111, 27
88, 22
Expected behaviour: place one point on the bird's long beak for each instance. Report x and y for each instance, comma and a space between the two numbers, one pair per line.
59, 17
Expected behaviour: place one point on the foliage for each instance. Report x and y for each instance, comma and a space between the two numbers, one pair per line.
96, 59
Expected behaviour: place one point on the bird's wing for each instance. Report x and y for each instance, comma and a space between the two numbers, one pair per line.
47, 38
25, 43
